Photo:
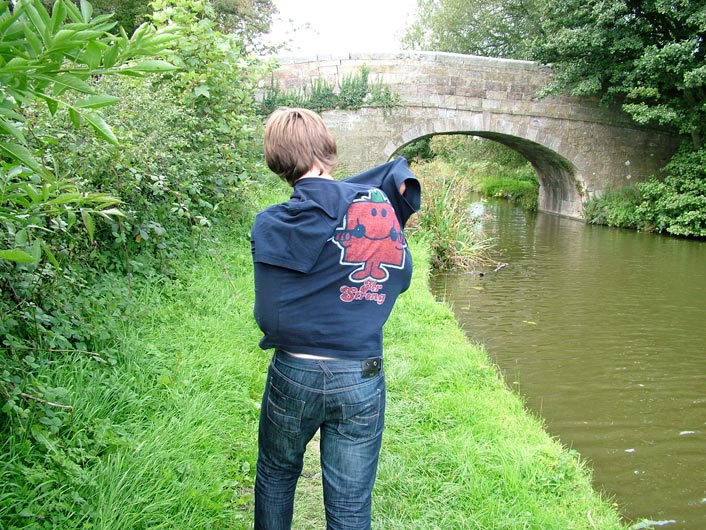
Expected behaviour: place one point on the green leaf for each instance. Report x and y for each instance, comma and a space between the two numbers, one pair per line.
149, 67
33, 41
139, 33
75, 117
92, 55
22, 155
36, 250
88, 222
111, 211
74, 13
39, 19
41, 435
72, 39
7, 21
68, 81
97, 101
101, 127
10, 129
17, 255
11, 114
50, 255
16, 64
52, 105
111, 55
202, 90
86, 10
58, 16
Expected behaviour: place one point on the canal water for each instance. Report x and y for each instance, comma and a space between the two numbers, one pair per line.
603, 333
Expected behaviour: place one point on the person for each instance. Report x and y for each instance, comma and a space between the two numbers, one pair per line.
328, 267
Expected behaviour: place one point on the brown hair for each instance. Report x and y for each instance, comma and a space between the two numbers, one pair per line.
296, 140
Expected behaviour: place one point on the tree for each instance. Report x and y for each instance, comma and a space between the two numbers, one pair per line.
649, 56
494, 28
248, 19
127, 14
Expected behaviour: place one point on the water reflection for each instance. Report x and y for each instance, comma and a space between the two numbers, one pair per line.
604, 333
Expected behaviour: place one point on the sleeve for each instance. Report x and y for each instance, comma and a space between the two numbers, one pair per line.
389, 178
290, 237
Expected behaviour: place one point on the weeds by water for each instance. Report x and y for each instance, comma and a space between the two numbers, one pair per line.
519, 187
452, 235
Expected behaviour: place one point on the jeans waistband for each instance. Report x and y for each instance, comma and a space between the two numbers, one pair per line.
367, 367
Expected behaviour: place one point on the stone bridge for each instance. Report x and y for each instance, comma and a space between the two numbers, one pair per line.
577, 148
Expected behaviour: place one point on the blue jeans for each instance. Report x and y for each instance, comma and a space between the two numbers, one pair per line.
302, 396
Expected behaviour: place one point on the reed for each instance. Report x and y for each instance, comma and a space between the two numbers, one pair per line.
453, 237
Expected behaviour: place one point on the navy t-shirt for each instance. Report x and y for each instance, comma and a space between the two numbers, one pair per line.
330, 263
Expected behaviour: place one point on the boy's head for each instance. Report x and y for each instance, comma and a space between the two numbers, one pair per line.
296, 141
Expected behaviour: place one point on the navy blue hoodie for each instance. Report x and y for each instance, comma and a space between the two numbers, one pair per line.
330, 262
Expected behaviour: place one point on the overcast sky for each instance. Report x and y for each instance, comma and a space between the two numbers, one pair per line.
334, 26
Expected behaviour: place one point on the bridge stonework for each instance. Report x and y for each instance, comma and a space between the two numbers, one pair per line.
577, 148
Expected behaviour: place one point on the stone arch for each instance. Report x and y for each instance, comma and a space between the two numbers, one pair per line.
578, 148
559, 189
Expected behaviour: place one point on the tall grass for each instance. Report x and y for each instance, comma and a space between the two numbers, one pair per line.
452, 235
616, 208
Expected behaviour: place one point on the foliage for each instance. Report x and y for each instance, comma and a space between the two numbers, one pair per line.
48, 63
617, 208
246, 19
677, 205
496, 28
491, 168
648, 56
50, 58
178, 151
471, 150
417, 150
521, 189
354, 92
444, 222
674, 205
128, 14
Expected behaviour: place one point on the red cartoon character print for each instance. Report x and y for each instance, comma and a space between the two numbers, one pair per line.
371, 237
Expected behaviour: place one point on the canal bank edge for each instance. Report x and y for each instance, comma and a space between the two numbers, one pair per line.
460, 449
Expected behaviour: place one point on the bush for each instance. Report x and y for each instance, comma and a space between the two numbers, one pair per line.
355, 92
677, 205
444, 221
180, 154
519, 186
617, 208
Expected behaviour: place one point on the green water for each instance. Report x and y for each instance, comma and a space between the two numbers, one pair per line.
603, 332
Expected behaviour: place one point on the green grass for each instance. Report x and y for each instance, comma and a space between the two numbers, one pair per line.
461, 451
519, 186
166, 436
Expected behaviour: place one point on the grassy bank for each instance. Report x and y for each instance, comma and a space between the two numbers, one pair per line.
172, 424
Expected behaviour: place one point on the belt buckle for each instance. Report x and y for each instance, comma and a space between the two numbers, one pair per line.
371, 367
